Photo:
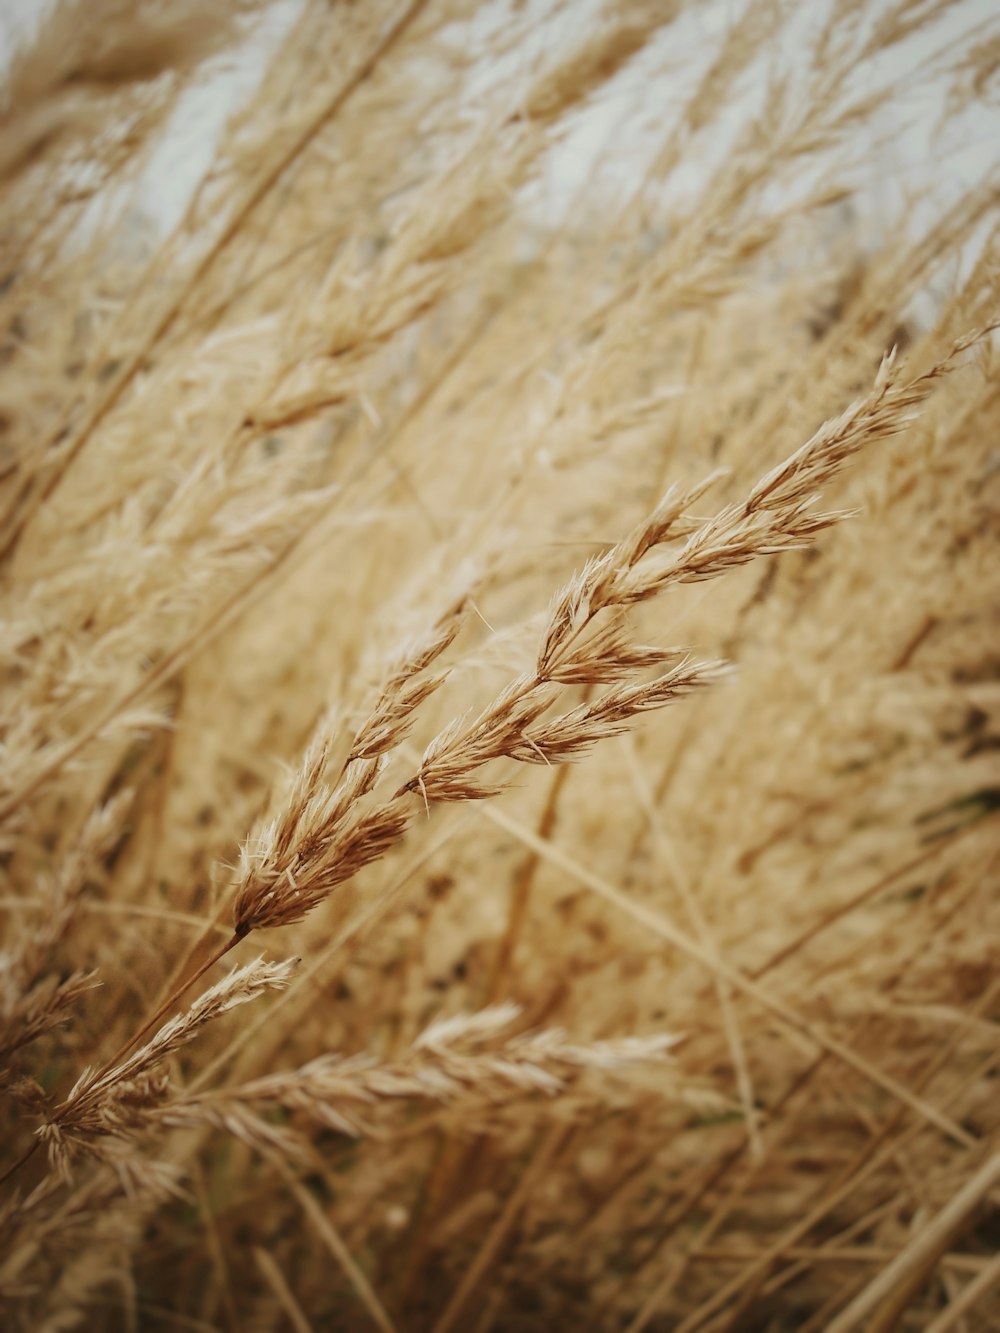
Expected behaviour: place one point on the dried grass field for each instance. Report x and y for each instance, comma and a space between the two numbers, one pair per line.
500, 652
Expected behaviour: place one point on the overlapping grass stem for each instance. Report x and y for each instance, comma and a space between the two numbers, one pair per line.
552, 610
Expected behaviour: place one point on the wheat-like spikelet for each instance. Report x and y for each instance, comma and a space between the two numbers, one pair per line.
112, 1103
464, 302
323, 838
463, 1061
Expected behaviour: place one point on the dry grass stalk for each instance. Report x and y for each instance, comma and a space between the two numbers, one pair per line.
461, 1060
113, 1103
321, 840
483, 289
32, 999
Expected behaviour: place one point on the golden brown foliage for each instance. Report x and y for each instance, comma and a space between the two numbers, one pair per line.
356, 533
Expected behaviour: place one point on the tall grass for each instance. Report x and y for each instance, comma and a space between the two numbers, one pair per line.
551, 608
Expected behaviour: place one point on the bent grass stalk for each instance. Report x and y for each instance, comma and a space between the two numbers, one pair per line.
370, 355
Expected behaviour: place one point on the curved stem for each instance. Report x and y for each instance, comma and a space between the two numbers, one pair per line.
25, 1157
173, 998
137, 1037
